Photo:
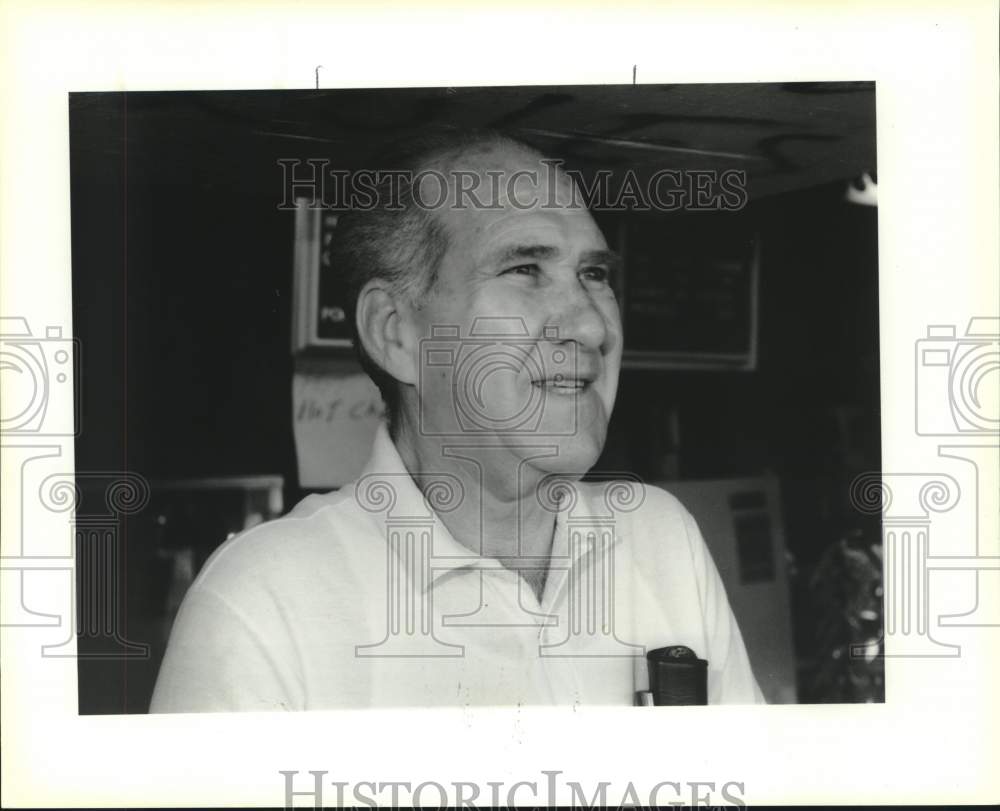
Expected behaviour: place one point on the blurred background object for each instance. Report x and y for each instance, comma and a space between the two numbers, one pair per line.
845, 663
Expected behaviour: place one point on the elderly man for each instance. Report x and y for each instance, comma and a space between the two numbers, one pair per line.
469, 564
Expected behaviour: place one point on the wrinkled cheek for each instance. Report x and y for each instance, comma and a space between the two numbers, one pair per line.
501, 397
477, 397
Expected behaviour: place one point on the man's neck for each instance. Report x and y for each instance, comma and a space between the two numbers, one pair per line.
499, 515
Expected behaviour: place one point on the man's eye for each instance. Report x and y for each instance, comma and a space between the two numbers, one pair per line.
521, 270
596, 273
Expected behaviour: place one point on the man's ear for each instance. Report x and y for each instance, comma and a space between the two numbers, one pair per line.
385, 332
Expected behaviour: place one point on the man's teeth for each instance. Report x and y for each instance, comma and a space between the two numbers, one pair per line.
563, 386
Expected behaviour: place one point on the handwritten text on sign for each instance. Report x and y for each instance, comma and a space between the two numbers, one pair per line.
335, 417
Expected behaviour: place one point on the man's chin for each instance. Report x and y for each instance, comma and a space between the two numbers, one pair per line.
571, 455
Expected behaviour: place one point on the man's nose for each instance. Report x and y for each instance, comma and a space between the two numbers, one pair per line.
576, 316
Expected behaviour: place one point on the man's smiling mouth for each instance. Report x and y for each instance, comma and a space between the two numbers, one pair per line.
566, 386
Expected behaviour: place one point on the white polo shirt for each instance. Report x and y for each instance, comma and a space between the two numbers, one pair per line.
361, 598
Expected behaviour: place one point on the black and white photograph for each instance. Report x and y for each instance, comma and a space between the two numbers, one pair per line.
424, 405
496, 396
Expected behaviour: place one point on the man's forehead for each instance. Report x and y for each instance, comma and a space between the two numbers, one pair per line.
505, 176
503, 198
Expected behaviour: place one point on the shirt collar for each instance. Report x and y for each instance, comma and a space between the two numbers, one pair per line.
388, 490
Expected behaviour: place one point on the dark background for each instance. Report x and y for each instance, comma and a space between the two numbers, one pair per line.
182, 273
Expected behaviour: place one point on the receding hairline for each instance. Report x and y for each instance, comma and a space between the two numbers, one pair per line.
509, 156
477, 144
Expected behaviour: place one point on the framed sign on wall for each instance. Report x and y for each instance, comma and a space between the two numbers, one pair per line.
689, 299
320, 320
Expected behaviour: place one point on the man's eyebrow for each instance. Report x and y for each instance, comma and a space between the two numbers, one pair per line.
603, 257
514, 253
519, 252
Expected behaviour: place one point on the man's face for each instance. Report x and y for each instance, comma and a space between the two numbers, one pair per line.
524, 300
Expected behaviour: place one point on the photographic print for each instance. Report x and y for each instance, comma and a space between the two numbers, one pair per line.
499, 406
595, 441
